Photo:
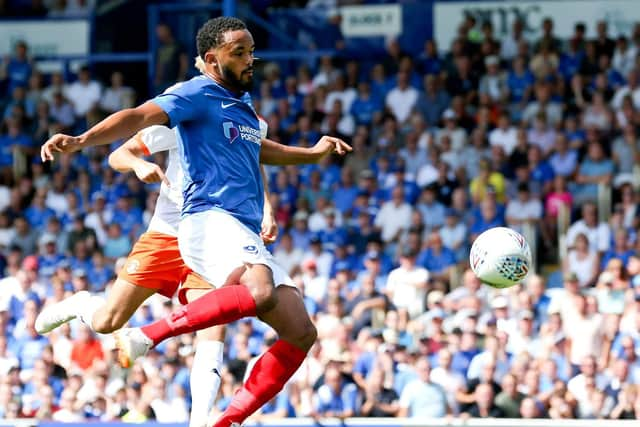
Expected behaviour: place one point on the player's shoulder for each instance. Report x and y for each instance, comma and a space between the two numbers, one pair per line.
193, 85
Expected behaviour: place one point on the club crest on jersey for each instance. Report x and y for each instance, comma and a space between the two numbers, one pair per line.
251, 249
133, 266
230, 131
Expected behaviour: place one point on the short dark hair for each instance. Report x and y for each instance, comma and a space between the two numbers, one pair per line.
210, 34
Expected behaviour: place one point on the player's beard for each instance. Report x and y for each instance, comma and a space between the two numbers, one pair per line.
229, 76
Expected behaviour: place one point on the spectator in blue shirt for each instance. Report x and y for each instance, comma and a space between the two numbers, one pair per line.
488, 218
437, 258
335, 398
37, 213
421, 398
344, 195
127, 215
15, 139
18, 67
28, 345
433, 101
594, 169
19, 98
50, 256
540, 172
432, 211
429, 62
571, 60
619, 250
519, 82
366, 108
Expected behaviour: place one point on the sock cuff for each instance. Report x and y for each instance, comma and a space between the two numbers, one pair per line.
85, 313
244, 299
212, 350
289, 352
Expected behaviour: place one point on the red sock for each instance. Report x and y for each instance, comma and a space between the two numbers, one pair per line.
268, 376
218, 307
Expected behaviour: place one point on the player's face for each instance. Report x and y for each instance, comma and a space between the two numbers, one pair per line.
235, 59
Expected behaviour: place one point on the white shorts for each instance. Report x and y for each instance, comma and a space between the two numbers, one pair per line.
216, 245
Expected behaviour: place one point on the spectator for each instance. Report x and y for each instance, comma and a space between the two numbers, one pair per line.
422, 398
524, 210
18, 68
84, 94
433, 100
598, 234
484, 405
171, 59
402, 98
117, 96
509, 399
378, 401
543, 103
451, 382
335, 398
393, 216
86, 349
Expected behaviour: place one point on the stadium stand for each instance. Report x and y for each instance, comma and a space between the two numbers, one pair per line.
538, 135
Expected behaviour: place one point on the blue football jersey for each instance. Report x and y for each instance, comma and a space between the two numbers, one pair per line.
219, 145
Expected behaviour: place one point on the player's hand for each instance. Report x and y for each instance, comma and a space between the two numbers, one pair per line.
328, 145
59, 143
269, 231
150, 173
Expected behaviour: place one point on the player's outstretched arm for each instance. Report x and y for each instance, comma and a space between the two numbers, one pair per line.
129, 157
269, 232
119, 125
273, 153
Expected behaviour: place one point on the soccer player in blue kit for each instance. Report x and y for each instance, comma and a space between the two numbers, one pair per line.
220, 147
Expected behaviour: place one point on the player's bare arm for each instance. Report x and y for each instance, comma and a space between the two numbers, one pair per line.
129, 157
269, 231
119, 125
273, 153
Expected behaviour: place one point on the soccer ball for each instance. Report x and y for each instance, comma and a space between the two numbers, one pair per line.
500, 257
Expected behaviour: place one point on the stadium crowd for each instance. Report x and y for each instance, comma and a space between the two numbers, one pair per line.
494, 132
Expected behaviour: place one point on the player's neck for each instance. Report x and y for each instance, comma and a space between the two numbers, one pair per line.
219, 80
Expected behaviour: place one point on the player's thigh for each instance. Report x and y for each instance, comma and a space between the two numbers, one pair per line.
290, 319
123, 300
215, 333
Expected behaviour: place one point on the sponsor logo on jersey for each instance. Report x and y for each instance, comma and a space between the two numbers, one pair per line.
230, 131
247, 133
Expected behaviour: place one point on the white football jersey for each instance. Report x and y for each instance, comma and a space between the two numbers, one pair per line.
166, 215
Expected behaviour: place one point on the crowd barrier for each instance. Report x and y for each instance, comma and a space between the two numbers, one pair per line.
362, 422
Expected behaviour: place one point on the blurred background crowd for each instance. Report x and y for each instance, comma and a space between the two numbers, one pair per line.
540, 136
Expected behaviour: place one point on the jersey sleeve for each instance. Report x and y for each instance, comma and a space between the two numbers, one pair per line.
182, 102
264, 127
155, 139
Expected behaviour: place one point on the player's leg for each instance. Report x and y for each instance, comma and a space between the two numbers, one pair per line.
274, 368
123, 300
221, 250
154, 265
205, 374
254, 295
208, 359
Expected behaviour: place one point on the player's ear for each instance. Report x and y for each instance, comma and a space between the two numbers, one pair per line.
210, 58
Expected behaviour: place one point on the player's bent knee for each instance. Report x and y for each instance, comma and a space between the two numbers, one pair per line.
264, 296
302, 337
308, 337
